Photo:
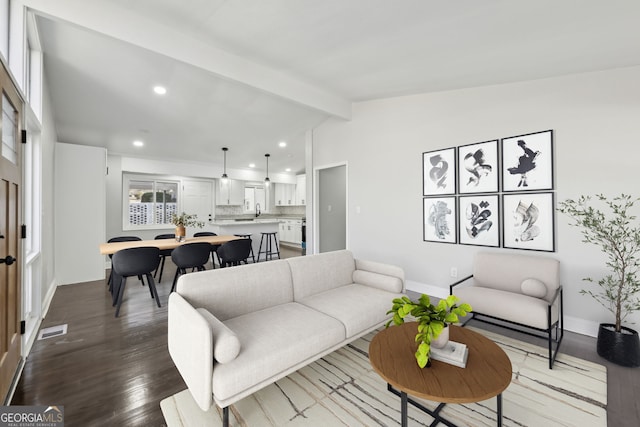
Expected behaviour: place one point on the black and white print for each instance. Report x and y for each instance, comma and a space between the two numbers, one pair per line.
479, 220
529, 221
478, 169
527, 162
439, 215
439, 172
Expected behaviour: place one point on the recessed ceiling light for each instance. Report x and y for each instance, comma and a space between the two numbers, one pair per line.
287, 170
282, 144
252, 165
160, 90
138, 143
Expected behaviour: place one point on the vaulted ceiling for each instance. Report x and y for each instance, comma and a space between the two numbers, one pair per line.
247, 74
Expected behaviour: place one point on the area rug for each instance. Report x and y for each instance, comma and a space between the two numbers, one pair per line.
342, 389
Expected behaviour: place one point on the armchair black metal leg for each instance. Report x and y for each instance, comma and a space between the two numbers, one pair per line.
154, 291
225, 416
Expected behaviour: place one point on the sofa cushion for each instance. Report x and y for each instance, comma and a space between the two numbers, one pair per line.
511, 306
534, 288
273, 340
358, 307
321, 272
234, 291
226, 344
376, 280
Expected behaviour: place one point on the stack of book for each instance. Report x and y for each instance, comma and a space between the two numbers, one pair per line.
454, 353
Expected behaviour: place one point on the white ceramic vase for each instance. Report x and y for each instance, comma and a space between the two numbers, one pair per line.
442, 339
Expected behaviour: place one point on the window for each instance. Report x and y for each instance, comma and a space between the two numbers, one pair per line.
151, 201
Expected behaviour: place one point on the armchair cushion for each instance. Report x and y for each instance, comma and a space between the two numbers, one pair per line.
533, 288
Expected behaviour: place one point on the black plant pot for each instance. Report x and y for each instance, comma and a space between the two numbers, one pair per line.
621, 348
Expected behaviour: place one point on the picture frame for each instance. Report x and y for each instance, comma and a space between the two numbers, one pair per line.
529, 221
439, 172
439, 219
479, 220
527, 162
478, 167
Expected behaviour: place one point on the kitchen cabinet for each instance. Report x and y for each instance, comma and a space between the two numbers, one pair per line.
285, 194
301, 190
290, 231
230, 193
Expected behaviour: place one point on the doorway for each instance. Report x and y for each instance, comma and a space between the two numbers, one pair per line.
10, 232
331, 208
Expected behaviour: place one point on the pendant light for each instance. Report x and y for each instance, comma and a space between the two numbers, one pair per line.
224, 173
267, 181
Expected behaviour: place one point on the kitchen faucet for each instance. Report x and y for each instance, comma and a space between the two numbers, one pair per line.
258, 210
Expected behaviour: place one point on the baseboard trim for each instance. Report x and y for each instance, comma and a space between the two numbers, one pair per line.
572, 324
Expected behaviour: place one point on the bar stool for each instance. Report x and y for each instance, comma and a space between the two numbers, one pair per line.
268, 250
248, 236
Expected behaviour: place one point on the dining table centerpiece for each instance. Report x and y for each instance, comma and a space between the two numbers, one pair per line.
183, 221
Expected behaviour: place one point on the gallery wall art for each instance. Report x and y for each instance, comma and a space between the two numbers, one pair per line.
439, 172
439, 215
496, 193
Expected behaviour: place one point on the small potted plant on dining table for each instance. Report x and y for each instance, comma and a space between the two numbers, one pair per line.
183, 221
432, 320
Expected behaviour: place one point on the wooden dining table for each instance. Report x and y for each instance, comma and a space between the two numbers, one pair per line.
111, 248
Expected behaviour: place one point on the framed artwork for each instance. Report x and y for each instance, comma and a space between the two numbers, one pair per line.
439, 219
527, 162
528, 221
439, 172
479, 220
478, 168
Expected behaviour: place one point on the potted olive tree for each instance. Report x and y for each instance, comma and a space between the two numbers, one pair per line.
432, 319
183, 221
617, 233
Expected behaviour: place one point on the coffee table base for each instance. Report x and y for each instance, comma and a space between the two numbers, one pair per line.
437, 419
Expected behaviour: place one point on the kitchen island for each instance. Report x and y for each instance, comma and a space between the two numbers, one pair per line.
247, 226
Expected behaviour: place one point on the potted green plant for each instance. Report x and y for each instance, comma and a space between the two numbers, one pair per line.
617, 234
183, 221
432, 319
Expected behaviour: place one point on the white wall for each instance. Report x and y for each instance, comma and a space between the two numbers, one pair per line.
79, 218
595, 118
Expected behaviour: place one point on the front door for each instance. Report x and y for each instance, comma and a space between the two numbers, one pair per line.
10, 245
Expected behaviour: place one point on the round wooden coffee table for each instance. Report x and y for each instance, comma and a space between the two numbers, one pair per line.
487, 373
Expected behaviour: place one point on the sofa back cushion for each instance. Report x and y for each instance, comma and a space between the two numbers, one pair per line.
321, 272
234, 291
508, 272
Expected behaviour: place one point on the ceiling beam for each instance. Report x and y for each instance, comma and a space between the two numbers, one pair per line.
122, 24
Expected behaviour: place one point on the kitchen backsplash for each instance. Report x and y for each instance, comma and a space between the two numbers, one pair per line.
227, 211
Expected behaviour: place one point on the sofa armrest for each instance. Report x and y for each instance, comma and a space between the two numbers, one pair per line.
459, 282
190, 340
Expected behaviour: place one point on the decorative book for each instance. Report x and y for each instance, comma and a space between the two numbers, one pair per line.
454, 353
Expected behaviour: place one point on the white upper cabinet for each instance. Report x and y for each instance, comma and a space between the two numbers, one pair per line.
230, 193
285, 194
301, 190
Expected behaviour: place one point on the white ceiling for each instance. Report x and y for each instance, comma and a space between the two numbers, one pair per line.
248, 73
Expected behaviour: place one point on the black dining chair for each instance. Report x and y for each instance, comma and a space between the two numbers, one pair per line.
121, 239
214, 248
163, 253
190, 255
134, 262
235, 252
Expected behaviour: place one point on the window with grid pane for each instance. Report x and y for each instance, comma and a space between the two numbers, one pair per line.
151, 202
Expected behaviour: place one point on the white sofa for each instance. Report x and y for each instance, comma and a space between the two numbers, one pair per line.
516, 289
235, 330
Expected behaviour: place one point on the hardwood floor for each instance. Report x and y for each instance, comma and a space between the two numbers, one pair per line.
115, 371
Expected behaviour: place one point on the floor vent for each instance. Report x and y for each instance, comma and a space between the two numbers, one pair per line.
52, 331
